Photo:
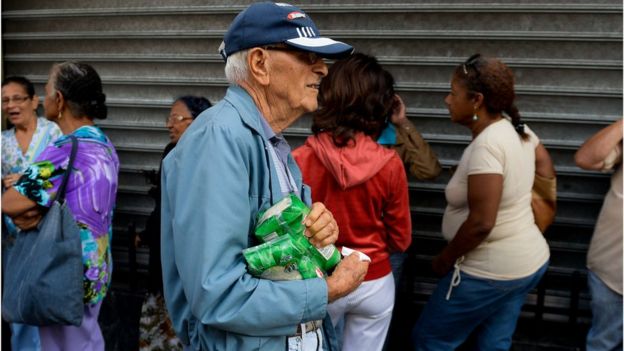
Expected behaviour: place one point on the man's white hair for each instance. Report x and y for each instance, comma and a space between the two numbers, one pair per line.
236, 70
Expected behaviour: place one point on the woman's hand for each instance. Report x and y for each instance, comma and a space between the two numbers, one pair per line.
398, 111
322, 229
29, 219
10, 180
441, 265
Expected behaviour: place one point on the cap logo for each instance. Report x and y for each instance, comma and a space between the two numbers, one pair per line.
306, 32
296, 14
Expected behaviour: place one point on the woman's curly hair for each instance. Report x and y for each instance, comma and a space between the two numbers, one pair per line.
356, 96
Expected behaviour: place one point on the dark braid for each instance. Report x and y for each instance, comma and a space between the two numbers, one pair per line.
514, 114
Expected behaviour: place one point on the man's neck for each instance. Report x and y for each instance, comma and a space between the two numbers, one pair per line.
268, 108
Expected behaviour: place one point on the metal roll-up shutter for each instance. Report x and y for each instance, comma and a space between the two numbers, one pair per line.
566, 55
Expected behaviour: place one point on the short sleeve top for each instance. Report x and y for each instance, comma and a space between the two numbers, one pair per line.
515, 248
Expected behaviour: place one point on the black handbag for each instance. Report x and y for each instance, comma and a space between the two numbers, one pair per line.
43, 270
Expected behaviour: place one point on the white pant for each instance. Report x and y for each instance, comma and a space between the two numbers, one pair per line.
309, 341
367, 313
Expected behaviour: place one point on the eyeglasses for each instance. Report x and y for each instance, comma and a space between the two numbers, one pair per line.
305, 56
16, 99
471, 62
175, 118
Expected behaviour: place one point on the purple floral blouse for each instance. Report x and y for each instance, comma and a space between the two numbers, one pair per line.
91, 192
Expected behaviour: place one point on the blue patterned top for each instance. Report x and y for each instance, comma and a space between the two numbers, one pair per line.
13, 160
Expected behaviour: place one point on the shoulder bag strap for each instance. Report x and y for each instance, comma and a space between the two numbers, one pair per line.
60, 194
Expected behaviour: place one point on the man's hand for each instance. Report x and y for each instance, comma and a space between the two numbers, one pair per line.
10, 180
347, 276
322, 229
28, 220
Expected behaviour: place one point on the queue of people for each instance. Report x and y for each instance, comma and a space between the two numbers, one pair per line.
227, 163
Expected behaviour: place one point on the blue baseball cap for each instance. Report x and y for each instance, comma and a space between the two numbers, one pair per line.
268, 23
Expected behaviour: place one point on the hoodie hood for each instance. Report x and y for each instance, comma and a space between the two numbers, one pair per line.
353, 164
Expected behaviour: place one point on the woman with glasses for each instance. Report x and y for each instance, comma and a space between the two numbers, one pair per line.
495, 253
156, 331
20, 147
30, 134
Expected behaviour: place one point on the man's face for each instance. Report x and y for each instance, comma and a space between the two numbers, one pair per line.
294, 83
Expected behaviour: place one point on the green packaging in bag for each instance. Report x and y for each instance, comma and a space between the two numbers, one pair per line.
286, 217
278, 252
309, 268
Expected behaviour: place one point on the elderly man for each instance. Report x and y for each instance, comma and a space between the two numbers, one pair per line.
231, 163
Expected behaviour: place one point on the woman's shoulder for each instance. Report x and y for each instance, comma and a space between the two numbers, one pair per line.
91, 133
9, 133
497, 134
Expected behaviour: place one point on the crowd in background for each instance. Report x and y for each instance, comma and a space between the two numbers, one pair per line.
225, 163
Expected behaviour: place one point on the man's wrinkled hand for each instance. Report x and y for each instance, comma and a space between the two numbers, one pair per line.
28, 220
321, 227
347, 276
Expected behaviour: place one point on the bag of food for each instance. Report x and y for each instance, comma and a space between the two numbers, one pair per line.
281, 230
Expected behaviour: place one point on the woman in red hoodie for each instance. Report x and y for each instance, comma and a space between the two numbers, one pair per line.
365, 187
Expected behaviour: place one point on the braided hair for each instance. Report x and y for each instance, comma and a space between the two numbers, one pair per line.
492, 78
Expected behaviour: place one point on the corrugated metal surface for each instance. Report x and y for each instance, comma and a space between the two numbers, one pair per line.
567, 57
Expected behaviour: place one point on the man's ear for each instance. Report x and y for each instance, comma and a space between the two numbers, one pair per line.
259, 67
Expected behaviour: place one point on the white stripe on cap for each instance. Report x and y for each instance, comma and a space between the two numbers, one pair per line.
306, 32
313, 42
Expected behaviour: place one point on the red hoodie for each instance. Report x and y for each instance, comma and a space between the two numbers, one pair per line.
365, 187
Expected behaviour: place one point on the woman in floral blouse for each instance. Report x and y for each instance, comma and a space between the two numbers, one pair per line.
73, 100
21, 144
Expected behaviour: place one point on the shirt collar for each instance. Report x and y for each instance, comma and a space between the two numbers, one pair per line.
269, 133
